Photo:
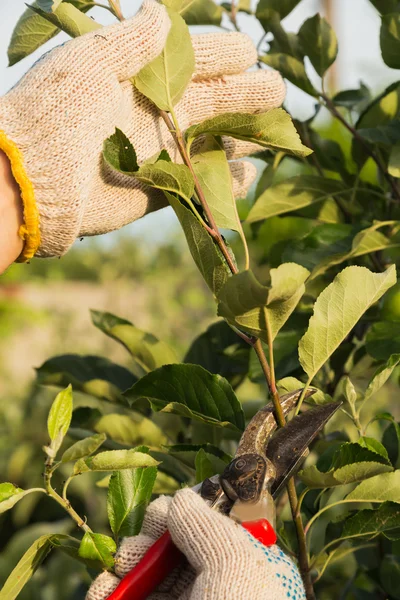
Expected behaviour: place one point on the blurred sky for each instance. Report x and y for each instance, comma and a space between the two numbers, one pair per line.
356, 23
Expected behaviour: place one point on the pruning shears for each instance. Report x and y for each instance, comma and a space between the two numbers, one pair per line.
265, 459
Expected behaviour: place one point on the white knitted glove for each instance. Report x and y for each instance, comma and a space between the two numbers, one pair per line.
55, 120
225, 562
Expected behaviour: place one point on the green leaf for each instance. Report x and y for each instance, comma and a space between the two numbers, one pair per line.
129, 494
282, 7
25, 569
369, 523
165, 79
390, 40
70, 19
84, 447
197, 12
319, 43
220, 350
292, 69
382, 488
364, 242
364, 450
212, 169
293, 194
92, 375
394, 161
187, 453
328, 153
201, 12
204, 251
190, 391
383, 340
350, 473
352, 462
119, 153
204, 466
59, 418
274, 234
49, 5
387, 134
130, 430
273, 129
8, 490
337, 310
244, 6
381, 376
391, 441
114, 460
385, 6
10, 495
147, 351
98, 550
169, 177
291, 384
383, 109
349, 392
283, 42
261, 310
390, 575
323, 245
355, 99
30, 32
313, 478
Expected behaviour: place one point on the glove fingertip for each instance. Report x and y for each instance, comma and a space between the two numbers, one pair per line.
244, 174
130, 552
155, 520
102, 586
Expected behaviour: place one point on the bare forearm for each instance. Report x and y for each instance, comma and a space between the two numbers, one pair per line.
11, 216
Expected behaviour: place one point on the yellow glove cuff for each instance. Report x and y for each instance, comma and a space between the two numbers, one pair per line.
29, 231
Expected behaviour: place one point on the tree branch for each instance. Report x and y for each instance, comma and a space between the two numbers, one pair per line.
176, 133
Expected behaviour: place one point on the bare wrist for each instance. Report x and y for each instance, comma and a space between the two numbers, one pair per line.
11, 215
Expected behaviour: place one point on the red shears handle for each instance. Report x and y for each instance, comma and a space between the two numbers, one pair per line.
163, 557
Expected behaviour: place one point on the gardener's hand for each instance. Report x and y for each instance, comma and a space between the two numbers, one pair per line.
56, 119
225, 562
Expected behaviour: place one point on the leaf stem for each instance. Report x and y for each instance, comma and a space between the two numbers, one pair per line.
65, 487
99, 5
301, 498
280, 417
116, 9
331, 556
303, 395
371, 153
48, 472
320, 512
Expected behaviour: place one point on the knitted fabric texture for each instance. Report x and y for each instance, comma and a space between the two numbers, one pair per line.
60, 113
225, 561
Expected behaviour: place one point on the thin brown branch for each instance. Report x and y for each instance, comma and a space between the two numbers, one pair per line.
291, 488
213, 229
301, 539
234, 12
257, 345
116, 9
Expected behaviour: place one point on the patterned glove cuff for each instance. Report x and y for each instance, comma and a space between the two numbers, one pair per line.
29, 231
